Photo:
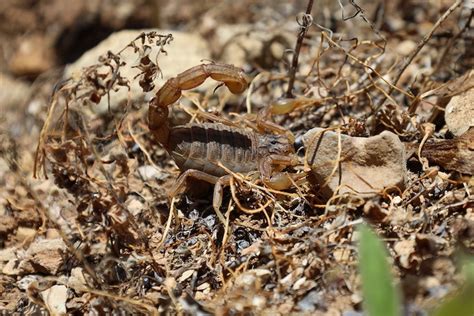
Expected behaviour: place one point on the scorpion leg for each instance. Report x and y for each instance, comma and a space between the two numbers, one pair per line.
219, 184
265, 123
281, 106
180, 184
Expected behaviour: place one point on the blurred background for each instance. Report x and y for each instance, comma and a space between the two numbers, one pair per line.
36, 36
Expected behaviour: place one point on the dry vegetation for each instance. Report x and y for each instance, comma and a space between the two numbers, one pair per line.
84, 212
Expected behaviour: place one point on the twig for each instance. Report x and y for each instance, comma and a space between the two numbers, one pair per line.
305, 23
168, 224
142, 148
243, 208
135, 302
118, 199
452, 40
421, 44
371, 68
46, 215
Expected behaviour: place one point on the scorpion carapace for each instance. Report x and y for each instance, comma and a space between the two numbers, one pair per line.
200, 149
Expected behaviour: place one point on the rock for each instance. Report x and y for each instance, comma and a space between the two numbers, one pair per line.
185, 51
250, 277
12, 267
367, 165
148, 173
55, 299
52, 233
77, 281
292, 277
34, 56
28, 281
13, 92
405, 47
240, 43
134, 206
44, 256
25, 233
186, 275
406, 253
452, 154
311, 301
7, 254
7, 224
459, 113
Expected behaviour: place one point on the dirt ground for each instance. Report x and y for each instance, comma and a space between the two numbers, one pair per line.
86, 222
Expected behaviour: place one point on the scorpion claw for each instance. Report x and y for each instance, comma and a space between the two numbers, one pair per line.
279, 181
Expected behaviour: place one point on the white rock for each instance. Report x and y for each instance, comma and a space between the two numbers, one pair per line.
8, 254
185, 51
41, 245
367, 165
55, 299
25, 233
12, 267
77, 281
13, 92
44, 256
27, 280
148, 173
135, 206
249, 277
459, 113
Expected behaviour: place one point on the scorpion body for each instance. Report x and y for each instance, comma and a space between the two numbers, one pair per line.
202, 146
200, 149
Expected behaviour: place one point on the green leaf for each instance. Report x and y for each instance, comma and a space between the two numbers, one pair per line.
461, 303
381, 296
467, 264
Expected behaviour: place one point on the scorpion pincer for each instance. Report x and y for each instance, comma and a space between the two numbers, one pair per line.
198, 148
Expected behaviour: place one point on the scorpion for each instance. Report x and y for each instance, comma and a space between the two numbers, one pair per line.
200, 150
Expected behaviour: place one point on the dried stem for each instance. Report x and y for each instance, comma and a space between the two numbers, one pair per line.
305, 23
451, 42
420, 45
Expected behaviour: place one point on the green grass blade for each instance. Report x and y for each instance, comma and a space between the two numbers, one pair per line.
381, 297
462, 303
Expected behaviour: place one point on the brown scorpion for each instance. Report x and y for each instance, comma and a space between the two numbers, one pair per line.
199, 148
